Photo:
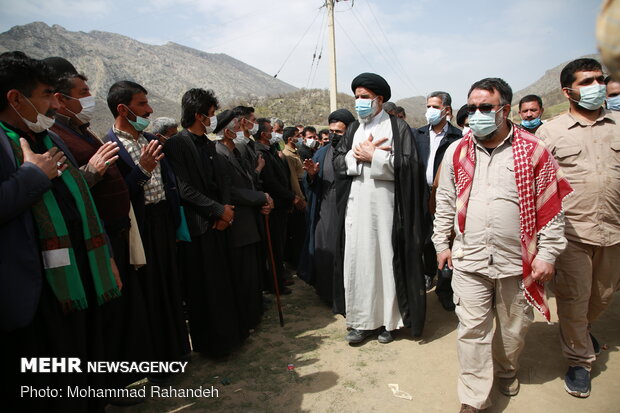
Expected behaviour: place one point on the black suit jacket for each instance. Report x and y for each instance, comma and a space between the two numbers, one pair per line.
202, 200
135, 180
423, 142
246, 199
276, 178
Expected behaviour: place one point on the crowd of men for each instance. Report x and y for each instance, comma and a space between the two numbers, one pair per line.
129, 245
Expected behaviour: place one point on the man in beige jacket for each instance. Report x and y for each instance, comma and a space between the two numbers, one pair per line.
501, 192
586, 143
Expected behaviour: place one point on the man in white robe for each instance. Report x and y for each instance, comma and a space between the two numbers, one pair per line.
378, 296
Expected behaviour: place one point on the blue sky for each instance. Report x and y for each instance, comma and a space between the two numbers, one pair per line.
418, 46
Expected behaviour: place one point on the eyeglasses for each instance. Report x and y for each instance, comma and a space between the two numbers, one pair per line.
483, 108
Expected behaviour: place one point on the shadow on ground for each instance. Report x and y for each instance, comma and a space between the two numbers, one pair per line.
263, 375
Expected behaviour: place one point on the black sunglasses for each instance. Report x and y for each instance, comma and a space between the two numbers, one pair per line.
483, 108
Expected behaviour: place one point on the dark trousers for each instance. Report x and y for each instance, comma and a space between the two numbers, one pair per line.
444, 276
277, 229
295, 235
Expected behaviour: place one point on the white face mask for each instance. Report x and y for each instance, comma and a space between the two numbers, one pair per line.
88, 108
254, 129
310, 143
275, 137
212, 124
240, 137
43, 122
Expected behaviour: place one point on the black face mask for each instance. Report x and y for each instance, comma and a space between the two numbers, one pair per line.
334, 139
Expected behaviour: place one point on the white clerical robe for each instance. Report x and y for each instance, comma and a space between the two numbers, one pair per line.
370, 291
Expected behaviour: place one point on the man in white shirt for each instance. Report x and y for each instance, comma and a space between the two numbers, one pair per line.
432, 140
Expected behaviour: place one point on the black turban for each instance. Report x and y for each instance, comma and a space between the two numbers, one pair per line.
373, 82
60, 66
341, 115
223, 119
461, 115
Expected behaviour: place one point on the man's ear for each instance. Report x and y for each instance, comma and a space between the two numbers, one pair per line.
122, 110
59, 97
567, 93
14, 98
507, 109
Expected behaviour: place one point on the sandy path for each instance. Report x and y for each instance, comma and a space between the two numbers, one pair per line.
331, 376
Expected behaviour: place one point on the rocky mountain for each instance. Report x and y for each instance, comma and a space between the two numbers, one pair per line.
548, 86
305, 106
415, 107
166, 71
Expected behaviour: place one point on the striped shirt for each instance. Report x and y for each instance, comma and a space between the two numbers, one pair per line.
154, 187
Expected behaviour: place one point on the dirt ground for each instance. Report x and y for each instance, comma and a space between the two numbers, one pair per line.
328, 375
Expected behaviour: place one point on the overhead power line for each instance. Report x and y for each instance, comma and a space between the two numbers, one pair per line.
297, 44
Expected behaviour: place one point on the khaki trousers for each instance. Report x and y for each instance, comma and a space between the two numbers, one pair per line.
586, 278
479, 300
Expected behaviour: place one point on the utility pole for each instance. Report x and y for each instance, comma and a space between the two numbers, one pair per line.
333, 90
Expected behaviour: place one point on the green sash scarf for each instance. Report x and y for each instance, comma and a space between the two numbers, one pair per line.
64, 277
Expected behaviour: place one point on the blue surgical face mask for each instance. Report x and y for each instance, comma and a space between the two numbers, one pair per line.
613, 103
433, 115
531, 124
364, 107
484, 124
592, 97
140, 123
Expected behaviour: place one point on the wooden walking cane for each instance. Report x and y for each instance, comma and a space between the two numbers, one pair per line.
273, 270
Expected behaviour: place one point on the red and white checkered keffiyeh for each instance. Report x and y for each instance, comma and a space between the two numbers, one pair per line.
541, 187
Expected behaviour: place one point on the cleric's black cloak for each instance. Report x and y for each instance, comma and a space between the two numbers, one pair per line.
409, 227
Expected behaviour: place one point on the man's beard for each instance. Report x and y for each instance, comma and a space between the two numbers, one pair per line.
486, 137
368, 118
365, 120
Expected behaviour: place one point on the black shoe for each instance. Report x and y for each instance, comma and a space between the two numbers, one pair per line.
285, 291
357, 336
577, 381
596, 345
508, 386
447, 302
428, 282
385, 337
288, 282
